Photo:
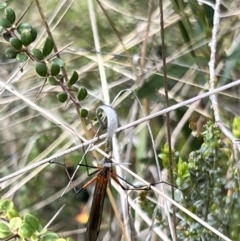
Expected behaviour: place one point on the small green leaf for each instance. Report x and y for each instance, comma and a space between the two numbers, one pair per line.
7, 36
5, 23
62, 97
25, 231
16, 43
34, 34
164, 155
183, 169
10, 15
236, 127
11, 53
83, 113
50, 237
82, 93
55, 69
32, 221
4, 230
22, 57
52, 81
6, 205
73, 79
1, 28
37, 53
70, 239
3, 5
59, 62
26, 37
15, 223
48, 46
12, 213
41, 69
24, 26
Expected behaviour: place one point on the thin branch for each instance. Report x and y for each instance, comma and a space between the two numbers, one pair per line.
117, 214
118, 34
98, 49
144, 45
172, 166
50, 35
213, 47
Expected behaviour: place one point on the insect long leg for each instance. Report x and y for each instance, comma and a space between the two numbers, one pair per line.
133, 187
71, 179
87, 184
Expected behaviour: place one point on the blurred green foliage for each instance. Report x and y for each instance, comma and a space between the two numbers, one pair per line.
210, 188
15, 227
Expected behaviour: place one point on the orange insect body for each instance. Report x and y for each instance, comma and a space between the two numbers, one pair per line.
95, 217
